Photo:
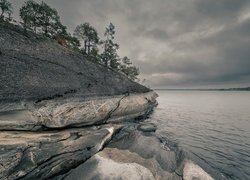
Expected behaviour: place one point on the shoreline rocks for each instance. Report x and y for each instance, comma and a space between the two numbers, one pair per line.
43, 155
94, 139
75, 112
66, 133
133, 155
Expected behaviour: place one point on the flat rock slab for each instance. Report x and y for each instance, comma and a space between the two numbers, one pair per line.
43, 155
76, 112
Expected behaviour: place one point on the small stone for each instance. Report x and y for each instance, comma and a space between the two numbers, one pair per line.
147, 127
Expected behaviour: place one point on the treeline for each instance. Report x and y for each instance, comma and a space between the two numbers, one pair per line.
42, 19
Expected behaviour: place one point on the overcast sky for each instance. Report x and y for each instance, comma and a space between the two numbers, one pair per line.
175, 43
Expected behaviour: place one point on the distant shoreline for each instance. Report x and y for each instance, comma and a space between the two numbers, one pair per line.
221, 89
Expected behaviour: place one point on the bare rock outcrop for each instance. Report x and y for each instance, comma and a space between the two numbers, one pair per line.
137, 155
36, 68
77, 112
33, 155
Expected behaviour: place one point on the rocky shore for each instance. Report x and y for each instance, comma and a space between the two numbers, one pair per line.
103, 138
63, 117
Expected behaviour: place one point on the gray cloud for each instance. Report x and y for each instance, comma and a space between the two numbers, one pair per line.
180, 43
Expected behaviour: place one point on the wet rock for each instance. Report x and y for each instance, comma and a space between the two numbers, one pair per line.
147, 127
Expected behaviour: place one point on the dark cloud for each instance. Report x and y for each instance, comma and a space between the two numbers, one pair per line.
219, 8
180, 43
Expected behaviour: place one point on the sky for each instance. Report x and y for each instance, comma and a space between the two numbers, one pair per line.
175, 43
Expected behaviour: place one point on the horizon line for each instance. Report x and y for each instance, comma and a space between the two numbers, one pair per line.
206, 89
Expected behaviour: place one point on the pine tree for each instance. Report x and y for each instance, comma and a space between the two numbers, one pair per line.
71, 41
29, 13
128, 69
6, 9
41, 18
89, 35
49, 21
109, 56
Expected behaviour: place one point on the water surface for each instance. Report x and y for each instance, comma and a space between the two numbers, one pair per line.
212, 127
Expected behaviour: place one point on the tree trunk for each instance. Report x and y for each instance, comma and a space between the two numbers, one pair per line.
46, 30
1, 16
106, 62
35, 25
85, 46
88, 47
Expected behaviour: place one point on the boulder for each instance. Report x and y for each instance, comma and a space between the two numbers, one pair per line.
147, 127
193, 171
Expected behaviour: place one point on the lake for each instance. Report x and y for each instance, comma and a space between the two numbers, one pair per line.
211, 127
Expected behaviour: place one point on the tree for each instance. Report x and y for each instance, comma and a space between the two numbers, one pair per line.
49, 21
109, 55
128, 69
6, 9
89, 35
133, 72
41, 18
126, 61
71, 41
30, 14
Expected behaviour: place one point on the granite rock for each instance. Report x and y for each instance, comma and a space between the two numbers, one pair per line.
76, 112
43, 155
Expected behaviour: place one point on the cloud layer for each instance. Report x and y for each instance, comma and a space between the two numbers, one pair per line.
176, 43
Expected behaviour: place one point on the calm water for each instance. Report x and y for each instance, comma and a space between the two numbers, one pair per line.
212, 127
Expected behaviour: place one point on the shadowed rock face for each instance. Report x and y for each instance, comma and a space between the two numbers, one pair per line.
33, 67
